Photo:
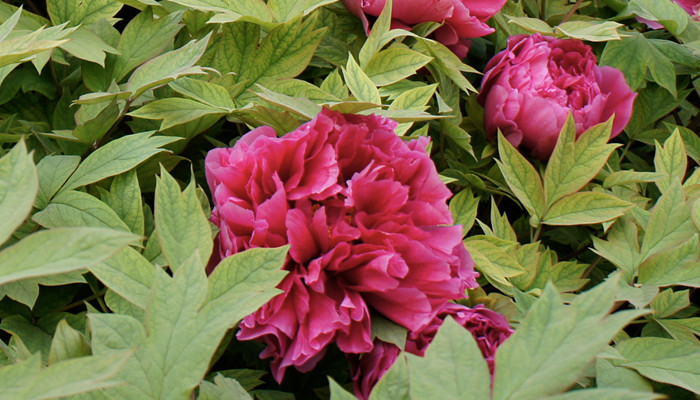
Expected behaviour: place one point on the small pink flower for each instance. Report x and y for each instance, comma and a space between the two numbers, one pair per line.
368, 226
489, 329
463, 19
529, 89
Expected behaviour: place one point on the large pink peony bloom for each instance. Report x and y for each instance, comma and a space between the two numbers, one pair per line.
463, 19
365, 214
530, 88
692, 7
488, 327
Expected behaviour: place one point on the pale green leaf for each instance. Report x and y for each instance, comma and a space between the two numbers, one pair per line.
676, 266
124, 197
128, 274
669, 224
573, 164
664, 360
67, 343
521, 177
53, 172
337, 391
464, 207
394, 384
206, 92
444, 368
608, 375
58, 251
671, 160
19, 184
78, 12
231, 10
117, 156
591, 31
167, 67
557, 342
376, 38
223, 388
585, 208
388, 331
181, 224
360, 85
626, 177
144, 38
394, 64
622, 246
285, 10
74, 209
670, 302
175, 111
28, 381
605, 393
86, 45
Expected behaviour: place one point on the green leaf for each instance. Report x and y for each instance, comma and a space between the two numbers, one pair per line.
494, 262
557, 342
283, 53
585, 208
223, 388
573, 164
74, 209
634, 55
665, 12
669, 223
670, 160
500, 225
376, 39
669, 302
453, 352
604, 393
53, 172
67, 343
77, 12
175, 111
184, 328
19, 184
116, 157
206, 92
414, 99
464, 207
285, 10
144, 38
591, 31
521, 177
124, 197
608, 375
168, 67
180, 222
337, 391
360, 85
58, 251
20, 48
28, 381
676, 266
26, 291
388, 331
86, 45
230, 10
394, 64
394, 384
128, 274
625, 177
663, 360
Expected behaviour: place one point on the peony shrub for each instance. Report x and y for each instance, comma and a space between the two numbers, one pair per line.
283, 199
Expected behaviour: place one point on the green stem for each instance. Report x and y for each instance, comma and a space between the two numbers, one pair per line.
624, 150
543, 9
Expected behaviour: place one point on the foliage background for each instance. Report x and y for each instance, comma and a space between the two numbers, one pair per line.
107, 109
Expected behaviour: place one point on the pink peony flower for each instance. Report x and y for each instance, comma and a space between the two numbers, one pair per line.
530, 88
488, 327
692, 7
366, 218
463, 19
